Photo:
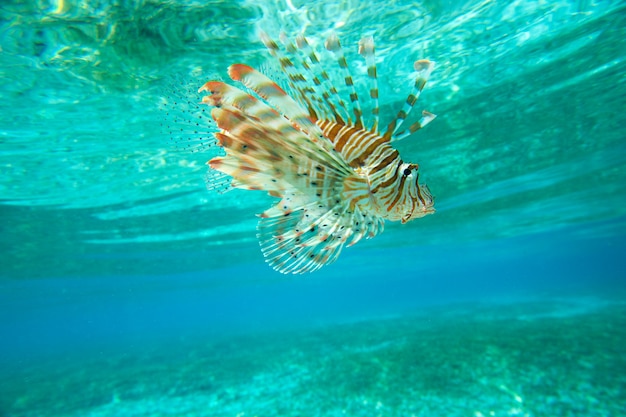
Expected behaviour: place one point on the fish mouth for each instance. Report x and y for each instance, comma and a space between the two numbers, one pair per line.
424, 211
417, 213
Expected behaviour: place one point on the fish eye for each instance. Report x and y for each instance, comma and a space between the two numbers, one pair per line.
407, 172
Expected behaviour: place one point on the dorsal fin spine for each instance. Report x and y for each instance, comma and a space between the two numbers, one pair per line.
366, 49
334, 46
424, 68
321, 78
427, 117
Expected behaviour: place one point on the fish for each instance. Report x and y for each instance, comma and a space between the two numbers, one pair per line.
337, 178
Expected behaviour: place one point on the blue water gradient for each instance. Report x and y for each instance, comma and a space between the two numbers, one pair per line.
44, 318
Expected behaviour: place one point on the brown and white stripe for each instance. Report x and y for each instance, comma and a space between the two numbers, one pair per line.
338, 180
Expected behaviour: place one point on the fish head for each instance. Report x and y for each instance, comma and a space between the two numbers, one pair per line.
420, 201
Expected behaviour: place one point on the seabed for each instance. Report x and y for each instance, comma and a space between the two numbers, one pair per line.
540, 358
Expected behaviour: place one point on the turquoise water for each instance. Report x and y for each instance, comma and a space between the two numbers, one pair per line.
128, 289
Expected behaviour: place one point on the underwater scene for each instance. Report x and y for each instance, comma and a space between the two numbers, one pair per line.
193, 196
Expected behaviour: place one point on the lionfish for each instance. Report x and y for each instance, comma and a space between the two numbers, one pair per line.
337, 178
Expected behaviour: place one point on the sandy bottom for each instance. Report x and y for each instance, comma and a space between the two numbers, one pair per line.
541, 358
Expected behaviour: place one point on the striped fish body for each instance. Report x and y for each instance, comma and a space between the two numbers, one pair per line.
336, 179
393, 190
